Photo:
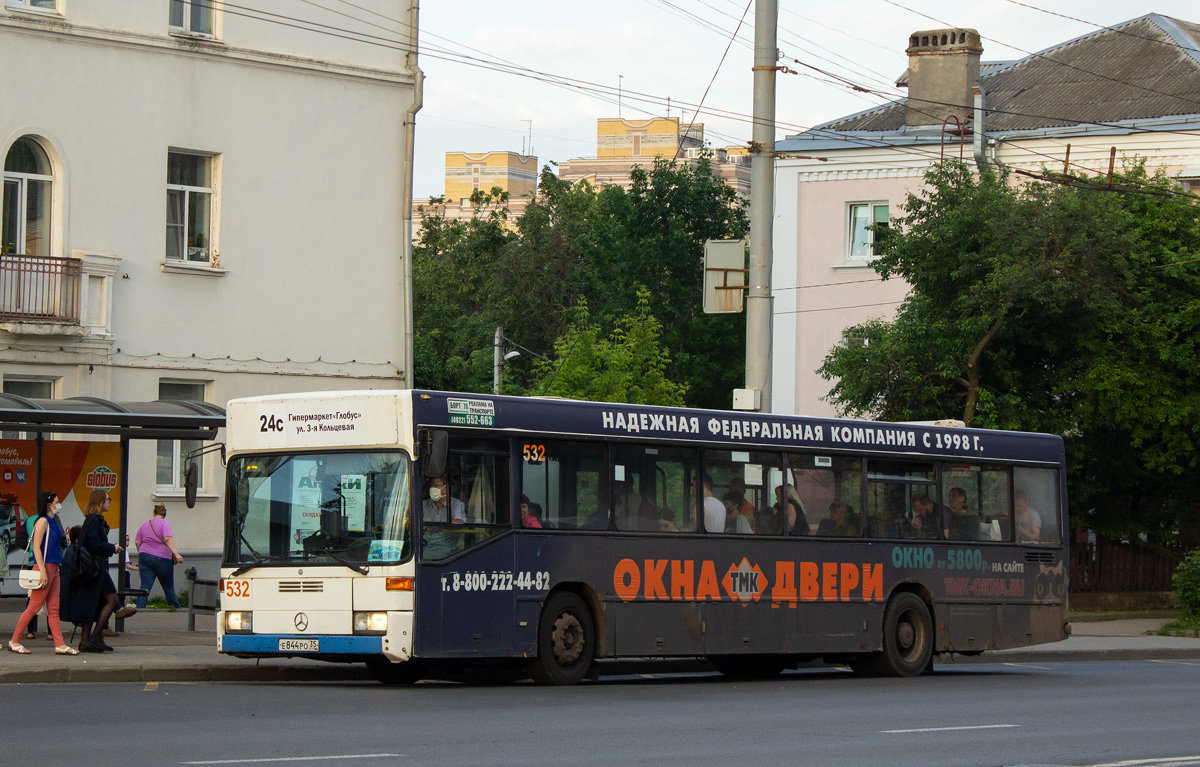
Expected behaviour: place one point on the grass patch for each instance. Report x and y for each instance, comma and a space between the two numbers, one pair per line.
1183, 627
160, 602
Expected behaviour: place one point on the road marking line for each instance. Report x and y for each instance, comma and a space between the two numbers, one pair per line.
946, 729
1027, 665
150, 687
293, 759
1178, 662
1136, 762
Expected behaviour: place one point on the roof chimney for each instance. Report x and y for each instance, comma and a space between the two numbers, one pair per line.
943, 67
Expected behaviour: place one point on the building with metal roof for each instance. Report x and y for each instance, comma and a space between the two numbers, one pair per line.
1086, 104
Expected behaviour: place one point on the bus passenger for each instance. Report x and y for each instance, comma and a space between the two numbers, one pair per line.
960, 525
841, 523
1029, 520
527, 519
714, 510
736, 499
924, 522
434, 508
768, 521
666, 521
797, 521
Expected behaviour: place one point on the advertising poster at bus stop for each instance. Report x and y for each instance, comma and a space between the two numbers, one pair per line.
70, 469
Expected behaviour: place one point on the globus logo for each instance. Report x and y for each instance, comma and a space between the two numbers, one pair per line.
101, 478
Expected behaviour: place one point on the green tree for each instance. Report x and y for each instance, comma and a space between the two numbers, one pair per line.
629, 365
1067, 308
454, 316
575, 244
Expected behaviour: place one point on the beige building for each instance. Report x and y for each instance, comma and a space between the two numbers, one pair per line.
467, 173
622, 145
1135, 87
184, 217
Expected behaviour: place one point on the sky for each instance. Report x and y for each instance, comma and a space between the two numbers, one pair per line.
655, 50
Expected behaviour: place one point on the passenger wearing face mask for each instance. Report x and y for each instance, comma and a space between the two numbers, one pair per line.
44, 545
440, 507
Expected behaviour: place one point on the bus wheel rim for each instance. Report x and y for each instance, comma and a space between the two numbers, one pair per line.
567, 639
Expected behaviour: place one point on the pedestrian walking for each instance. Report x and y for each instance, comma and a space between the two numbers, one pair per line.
32, 629
157, 556
92, 597
47, 533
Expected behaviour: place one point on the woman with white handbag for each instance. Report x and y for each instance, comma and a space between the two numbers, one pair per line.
43, 581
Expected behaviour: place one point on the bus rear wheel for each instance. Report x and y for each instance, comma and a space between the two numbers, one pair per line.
386, 672
566, 644
907, 637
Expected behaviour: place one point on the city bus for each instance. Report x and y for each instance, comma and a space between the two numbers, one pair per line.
422, 530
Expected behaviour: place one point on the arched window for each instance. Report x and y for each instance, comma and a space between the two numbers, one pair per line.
26, 214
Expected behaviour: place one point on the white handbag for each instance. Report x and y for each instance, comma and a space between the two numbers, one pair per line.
32, 579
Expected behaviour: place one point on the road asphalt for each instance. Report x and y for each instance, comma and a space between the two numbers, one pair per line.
157, 647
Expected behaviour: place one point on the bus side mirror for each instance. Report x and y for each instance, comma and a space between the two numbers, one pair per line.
435, 454
191, 483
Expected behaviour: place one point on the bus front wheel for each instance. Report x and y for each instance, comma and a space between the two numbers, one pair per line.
566, 641
907, 637
386, 672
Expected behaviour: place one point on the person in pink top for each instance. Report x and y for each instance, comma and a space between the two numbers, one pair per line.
157, 556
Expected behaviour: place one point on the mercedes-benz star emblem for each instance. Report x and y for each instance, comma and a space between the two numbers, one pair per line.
301, 621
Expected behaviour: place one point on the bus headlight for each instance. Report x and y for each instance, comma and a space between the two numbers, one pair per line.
370, 623
239, 622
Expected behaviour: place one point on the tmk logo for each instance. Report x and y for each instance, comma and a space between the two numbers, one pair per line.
745, 581
101, 478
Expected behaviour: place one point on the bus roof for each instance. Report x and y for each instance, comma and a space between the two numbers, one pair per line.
382, 417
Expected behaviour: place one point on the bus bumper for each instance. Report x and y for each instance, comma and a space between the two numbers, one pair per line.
269, 644
395, 645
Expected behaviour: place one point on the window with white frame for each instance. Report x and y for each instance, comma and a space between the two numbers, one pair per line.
29, 388
194, 17
28, 177
860, 239
189, 207
172, 453
32, 5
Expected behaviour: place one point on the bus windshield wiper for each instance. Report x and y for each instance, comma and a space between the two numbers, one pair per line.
358, 568
259, 559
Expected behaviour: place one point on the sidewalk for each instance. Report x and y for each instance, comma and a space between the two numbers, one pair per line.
157, 647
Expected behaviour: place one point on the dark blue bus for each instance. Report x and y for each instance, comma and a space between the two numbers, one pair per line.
414, 529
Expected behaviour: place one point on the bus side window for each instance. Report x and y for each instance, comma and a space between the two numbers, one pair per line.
567, 480
1035, 505
654, 488
742, 482
892, 487
482, 486
828, 491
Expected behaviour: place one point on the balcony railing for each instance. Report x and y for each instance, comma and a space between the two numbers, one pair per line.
39, 288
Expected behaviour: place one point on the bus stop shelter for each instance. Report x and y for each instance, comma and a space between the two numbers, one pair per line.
125, 421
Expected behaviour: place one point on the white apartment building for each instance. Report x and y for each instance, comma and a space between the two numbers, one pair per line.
203, 201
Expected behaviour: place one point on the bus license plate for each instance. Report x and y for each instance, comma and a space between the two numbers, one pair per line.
299, 645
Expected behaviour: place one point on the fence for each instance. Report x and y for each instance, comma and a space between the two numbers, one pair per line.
1112, 566
39, 288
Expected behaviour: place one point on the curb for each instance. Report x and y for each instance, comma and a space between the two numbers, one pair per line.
355, 672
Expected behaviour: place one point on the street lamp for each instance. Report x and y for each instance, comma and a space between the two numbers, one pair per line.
499, 356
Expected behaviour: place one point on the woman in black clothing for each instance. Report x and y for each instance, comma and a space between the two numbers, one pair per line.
91, 604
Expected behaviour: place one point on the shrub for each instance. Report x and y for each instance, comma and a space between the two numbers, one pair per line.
1187, 584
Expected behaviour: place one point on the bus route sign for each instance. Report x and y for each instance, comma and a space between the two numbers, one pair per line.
471, 412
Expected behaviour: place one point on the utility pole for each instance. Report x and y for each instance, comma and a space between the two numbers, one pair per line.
762, 192
497, 358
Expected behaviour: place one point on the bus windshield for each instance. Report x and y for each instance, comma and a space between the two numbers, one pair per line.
347, 507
